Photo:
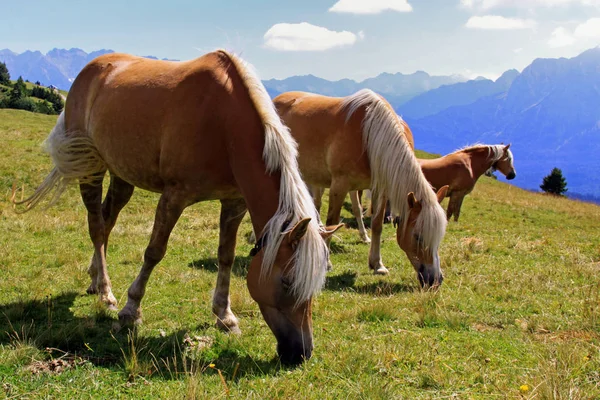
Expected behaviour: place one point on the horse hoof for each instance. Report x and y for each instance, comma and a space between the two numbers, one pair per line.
91, 290
110, 301
112, 307
127, 320
365, 239
381, 271
230, 329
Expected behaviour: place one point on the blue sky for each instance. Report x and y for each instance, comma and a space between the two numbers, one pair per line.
329, 38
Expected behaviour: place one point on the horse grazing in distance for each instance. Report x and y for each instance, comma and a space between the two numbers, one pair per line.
193, 131
461, 170
359, 142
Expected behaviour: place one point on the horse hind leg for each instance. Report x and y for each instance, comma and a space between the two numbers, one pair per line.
168, 211
91, 193
232, 213
357, 211
118, 195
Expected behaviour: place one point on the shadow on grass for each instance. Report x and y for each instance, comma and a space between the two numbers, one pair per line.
49, 325
337, 248
347, 281
211, 264
343, 281
383, 288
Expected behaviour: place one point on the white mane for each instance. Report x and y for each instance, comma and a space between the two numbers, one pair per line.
395, 170
496, 151
295, 203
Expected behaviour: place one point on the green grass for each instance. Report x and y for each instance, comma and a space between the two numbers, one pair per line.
519, 305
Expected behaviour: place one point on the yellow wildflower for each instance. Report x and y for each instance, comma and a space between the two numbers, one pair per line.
524, 388
211, 365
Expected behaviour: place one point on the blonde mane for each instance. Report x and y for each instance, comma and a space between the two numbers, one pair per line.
280, 154
395, 171
496, 152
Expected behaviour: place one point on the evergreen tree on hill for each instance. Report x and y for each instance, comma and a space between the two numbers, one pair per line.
554, 183
4, 75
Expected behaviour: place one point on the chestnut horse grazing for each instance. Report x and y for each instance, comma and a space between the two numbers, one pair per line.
461, 170
359, 142
198, 130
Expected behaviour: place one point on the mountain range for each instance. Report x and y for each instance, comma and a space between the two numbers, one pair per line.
550, 112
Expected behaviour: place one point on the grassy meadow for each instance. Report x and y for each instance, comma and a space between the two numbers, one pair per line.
518, 315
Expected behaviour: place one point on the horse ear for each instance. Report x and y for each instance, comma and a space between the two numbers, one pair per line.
412, 200
298, 231
330, 230
507, 147
441, 193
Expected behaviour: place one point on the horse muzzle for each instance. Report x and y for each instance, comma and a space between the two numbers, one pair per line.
429, 276
512, 175
294, 344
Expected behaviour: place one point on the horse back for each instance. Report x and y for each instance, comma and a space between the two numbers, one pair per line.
453, 170
328, 144
157, 121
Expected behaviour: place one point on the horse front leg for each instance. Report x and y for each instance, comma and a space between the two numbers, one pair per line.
358, 215
232, 213
375, 262
458, 205
169, 209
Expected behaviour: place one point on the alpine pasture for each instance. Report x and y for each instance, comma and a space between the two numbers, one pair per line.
518, 314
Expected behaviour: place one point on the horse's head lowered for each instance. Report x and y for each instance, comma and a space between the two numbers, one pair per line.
424, 260
279, 293
505, 164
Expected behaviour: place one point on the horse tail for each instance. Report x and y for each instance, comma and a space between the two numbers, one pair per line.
395, 171
75, 158
295, 202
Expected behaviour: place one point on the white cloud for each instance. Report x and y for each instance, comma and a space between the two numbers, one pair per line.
370, 6
527, 4
588, 30
307, 37
518, 50
497, 22
561, 37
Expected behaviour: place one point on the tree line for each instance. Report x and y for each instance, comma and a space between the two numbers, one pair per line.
17, 96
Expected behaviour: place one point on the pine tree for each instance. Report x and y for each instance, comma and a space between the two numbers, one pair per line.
554, 183
18, 91
4, 75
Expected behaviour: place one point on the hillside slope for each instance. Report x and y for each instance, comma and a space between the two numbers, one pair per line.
516, 317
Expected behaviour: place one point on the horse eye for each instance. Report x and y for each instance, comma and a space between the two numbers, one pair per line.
418, 238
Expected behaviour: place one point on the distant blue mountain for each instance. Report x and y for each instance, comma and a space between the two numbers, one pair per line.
58, 67
397, 88
550, 114
436, 100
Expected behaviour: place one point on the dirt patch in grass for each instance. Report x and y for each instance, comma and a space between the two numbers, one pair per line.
55, 366
567, 336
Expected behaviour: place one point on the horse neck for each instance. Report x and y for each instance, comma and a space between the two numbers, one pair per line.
481, 160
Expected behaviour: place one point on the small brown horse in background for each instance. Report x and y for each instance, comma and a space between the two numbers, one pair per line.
193, 131
359, 142
461, 170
